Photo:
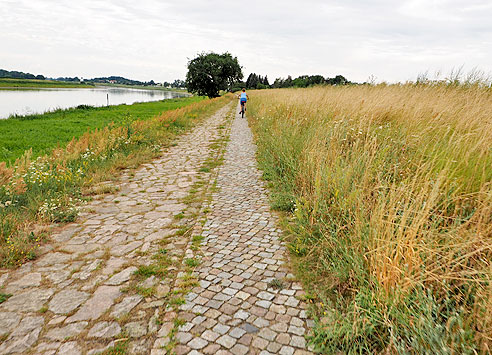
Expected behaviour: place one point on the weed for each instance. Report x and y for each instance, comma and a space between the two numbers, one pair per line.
4, 297
145, 291
177, 301
276, 284
119, 348
198, 239
192, 262
179, 216
145, 271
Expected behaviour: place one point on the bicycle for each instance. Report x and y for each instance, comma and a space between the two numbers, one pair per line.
243, 109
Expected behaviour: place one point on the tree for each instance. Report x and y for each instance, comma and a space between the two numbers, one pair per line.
211, 72
338, 80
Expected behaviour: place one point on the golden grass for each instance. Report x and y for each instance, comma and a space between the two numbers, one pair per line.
393, 193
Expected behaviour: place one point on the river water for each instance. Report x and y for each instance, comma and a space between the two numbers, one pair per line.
31, 101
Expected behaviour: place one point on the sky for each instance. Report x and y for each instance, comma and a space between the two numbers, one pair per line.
385, 40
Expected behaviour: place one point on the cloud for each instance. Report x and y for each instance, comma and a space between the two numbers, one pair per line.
152, 39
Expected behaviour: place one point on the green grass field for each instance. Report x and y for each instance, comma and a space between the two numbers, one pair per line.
6, 83
46, 131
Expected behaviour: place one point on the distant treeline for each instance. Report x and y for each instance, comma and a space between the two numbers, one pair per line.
103, 80
256, 81
19, 75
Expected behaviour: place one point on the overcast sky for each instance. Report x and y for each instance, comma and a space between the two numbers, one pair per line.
153, 39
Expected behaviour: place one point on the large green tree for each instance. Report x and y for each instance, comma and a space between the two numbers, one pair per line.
211, 72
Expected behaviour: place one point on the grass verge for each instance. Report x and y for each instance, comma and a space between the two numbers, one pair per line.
388, 211
43, 132
46, 190
32, 83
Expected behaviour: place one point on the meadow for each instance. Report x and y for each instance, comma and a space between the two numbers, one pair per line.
43, 132
32, 83
38, 191
386, 193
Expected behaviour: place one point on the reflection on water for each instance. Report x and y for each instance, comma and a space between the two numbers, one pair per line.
30, 101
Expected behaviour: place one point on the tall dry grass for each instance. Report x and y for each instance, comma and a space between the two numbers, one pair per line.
390, 189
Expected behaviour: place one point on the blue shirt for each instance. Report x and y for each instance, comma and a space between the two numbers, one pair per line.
243, 96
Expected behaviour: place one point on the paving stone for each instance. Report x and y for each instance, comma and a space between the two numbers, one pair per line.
100, 350
239, 349
71, 348
47, 347
197, 343
29, 301
8, 321
296, 330
183, 337
126, 305
57, 320
249, 328
267, 333
241, 315
67, 331
274, 348
211, 349
266, 296
125, 249
283, 339
261, 323
102, 299
260, 343
286, 350
237, 332
226, 341
135, 329
264, 304
105, 330
122, 276
209, 335
298, 342
27, 325
66, 301
221, 328
18, 345
165, 329
296, 322
54, 258
29, 280
279, 327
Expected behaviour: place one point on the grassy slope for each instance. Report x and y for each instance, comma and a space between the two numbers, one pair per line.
30, 83
46, 131
388, 200
48, 189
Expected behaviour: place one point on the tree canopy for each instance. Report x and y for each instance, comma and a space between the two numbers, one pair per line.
209, 73
256, 81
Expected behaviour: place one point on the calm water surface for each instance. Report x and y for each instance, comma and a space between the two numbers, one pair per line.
30, 101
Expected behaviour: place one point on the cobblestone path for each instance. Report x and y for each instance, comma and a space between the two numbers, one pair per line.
83, 295
245, 303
